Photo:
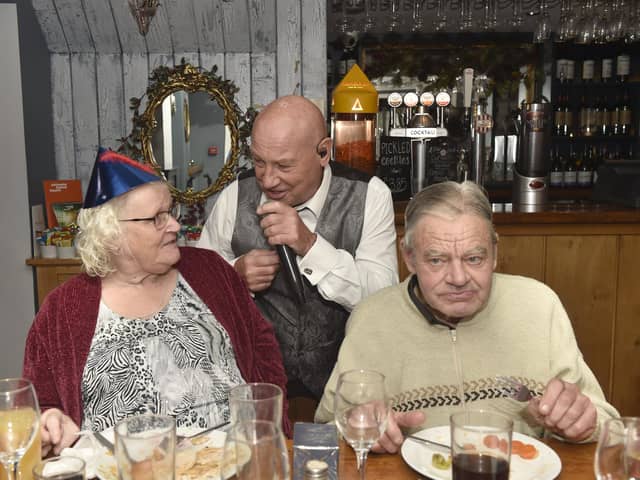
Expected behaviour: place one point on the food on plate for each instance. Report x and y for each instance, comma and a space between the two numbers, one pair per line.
441, 462
206, 463
526, 451
491, 441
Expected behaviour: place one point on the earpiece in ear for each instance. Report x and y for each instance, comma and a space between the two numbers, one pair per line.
322, 153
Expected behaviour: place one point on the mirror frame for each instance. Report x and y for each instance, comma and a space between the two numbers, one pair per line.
166, 80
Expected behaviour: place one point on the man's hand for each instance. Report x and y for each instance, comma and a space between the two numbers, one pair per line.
392, 438
57, 431
258, 268
565, 411
282, 225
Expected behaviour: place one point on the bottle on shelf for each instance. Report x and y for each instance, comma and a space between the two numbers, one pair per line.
605, 117
570, 175
614, 115
606, 73
625, 115
588, 69
623, 66
557, 170
585, 170
587, 115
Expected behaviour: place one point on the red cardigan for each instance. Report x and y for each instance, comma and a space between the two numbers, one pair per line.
59, 340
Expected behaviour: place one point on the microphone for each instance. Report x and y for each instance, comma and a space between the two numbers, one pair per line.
291, 271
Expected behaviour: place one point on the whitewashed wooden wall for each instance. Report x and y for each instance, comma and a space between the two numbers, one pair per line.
269, 48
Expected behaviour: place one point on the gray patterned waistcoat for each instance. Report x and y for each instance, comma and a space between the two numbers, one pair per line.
309, 335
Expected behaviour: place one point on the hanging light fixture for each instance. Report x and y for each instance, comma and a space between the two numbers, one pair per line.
143, 11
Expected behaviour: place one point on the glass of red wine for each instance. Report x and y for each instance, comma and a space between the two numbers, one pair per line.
480, 445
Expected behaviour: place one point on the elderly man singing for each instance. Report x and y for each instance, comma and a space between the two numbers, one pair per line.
338, 223
442, 336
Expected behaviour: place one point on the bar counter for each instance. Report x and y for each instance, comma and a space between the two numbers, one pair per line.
556, 212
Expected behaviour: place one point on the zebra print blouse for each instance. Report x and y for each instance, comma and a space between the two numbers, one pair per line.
178, 362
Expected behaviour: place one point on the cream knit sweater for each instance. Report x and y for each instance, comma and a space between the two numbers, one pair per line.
522, 332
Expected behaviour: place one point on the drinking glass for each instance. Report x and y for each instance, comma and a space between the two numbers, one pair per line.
618, 451
480, 445
145, 447
543, 29
60, 468
253, 451
369, 21
361, 409
258, 402
19, 422
440, 20
394, 17
417, 16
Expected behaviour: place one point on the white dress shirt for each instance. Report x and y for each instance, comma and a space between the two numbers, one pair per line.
338, 276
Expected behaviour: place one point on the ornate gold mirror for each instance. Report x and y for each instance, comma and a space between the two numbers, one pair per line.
190, 131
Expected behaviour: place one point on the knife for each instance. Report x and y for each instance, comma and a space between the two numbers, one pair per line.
181, 438
429, 442
104, 441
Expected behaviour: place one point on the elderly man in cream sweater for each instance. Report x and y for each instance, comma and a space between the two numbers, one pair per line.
443, 335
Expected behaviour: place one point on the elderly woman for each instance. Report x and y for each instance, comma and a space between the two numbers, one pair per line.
149, 326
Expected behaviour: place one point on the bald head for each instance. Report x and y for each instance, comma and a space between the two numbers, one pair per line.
289, 114
290, 149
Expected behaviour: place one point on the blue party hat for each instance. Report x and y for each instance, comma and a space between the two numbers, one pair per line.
113, 175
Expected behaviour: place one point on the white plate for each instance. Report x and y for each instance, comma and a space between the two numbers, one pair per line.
546, 466
103, 462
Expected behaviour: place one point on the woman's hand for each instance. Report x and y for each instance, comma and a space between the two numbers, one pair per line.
57, 430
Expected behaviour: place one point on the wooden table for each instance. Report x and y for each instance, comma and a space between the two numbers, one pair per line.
577, 463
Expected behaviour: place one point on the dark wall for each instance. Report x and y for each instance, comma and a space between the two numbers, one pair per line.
36, 101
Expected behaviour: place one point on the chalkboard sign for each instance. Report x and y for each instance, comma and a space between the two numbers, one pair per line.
441, 160
394, 166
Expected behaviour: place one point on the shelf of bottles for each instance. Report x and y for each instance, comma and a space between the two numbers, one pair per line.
596, 98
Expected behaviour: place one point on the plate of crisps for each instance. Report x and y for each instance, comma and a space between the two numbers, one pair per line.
198, 458
530, 458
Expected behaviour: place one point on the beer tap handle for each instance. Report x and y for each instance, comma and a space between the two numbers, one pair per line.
468, 86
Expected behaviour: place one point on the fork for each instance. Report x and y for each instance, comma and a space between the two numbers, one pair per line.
514, 389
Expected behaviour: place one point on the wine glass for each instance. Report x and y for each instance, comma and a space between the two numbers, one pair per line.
19, 421
361, 411
253, 451
618, 451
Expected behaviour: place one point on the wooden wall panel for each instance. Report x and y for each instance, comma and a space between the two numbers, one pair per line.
158, 37
262, 21
135, 78
128, 36
314, 50
85, 114
263, 79
289, 47
237, 68
75, 27
102, 27
208, 60
208, 27
50, 25
520, 255
585, 279
626, 373
111, 104
62, 108
235, 29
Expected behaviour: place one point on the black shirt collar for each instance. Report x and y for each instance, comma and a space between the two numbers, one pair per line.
422, 308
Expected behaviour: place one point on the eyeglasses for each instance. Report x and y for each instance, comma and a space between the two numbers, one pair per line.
160, 219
